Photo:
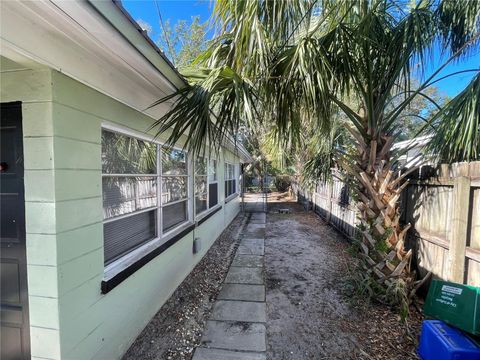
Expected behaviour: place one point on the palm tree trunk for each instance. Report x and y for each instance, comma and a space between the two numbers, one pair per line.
379, 188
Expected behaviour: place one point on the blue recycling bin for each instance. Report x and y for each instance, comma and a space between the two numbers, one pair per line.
439, 341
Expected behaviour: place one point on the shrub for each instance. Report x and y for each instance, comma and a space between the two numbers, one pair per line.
282, 182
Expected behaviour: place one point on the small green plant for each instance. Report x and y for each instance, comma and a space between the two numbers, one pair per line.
361, 286
354, 248
397, 296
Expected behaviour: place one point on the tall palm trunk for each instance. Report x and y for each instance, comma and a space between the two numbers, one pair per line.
379, 188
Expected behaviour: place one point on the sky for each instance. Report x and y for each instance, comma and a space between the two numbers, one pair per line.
146, 14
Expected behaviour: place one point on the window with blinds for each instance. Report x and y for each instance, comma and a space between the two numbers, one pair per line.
206, 184
230, 181
174, 188
141, 195
212, 183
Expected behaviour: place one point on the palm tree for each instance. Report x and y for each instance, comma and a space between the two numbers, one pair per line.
297, 65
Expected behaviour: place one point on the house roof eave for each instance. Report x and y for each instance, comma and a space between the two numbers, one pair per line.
123, 22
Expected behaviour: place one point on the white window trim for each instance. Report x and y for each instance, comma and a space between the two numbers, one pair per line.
161, 237
130, 258
236, 174
235, 193
205, 212
124, 216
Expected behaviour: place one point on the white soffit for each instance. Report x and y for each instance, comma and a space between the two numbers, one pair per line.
73, 38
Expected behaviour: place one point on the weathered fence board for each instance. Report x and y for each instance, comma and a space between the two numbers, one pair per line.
444, 210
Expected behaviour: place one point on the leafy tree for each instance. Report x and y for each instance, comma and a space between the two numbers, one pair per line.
419, 111
332, 79
183, 42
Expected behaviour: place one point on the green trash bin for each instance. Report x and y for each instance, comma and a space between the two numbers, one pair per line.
455, 304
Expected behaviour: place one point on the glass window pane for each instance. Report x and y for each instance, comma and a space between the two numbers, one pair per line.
200, 203
212, 170
200, 194
123, 195
123, 154
173, 188
229, 187
125, 234
174, 215
229, 171
174, 162
200, 166
200, 185
212, 195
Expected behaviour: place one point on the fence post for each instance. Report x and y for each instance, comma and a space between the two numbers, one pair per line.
458, 239
329, 200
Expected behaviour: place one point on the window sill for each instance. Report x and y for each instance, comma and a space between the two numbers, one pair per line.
122, 268
208, 214
231, 197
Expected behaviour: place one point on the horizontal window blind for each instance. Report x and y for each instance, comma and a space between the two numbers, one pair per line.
205, 184
125, 234
229, 187
140, 180
213, 194
174, 214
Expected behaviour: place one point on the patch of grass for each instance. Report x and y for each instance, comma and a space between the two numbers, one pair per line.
354, 248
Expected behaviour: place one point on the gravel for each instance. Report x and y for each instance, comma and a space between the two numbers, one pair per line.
177, 327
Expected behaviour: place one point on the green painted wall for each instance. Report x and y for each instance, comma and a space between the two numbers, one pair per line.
33, 88
70, 318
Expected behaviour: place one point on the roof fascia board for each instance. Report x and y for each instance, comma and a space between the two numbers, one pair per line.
238, 149
46, 33
119, 18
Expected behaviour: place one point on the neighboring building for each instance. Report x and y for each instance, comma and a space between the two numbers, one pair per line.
98, 220
412, 151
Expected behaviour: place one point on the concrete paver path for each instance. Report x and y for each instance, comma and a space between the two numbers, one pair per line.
236, 329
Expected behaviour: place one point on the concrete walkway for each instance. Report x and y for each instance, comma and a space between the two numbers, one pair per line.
236, 329
255, 202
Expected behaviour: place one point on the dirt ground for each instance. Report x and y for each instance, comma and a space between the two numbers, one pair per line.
308, 313
177, 327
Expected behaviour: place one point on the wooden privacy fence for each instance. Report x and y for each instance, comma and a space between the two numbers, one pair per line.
443, 206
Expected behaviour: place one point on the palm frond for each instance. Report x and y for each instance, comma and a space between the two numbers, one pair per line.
457, 135
323, 152
459, 23
209, 110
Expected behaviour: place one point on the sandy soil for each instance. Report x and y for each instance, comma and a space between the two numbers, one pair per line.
177, 327
308, 313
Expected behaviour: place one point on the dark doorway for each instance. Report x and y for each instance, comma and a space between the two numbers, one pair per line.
15, 340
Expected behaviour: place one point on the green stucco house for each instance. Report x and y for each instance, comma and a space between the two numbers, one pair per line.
98, 219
